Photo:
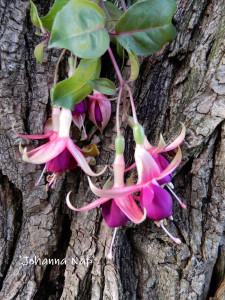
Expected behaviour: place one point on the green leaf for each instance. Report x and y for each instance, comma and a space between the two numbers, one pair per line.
38, 52
134, 64
47, 20
74, 89
34, 17
79, 27
146, 26
104, 86
112, 14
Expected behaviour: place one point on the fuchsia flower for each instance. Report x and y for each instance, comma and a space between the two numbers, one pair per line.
116, 210
60, 153
156, 200
79, 114
99, 110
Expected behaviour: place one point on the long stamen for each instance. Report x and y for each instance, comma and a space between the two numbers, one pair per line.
176, 240
175, 196
52, 181
42, 173
110, 256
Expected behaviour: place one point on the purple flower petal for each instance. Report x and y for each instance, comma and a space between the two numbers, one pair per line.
61, 163
162, 164
112, 215
98, 114
157, 202
80, 108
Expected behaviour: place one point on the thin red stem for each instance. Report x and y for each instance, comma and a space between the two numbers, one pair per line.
132, 104
118, 113
116, 66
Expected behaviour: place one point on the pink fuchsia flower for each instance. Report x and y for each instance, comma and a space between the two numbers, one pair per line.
156, 153
79, 114
116, 211
60, 151
162, 163
99, 110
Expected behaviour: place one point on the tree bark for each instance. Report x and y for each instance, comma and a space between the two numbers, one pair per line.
185, 83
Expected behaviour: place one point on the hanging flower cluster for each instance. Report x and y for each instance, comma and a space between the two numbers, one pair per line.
85, 29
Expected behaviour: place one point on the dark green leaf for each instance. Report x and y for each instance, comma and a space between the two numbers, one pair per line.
38, 52
79, 27
104, 86
112, 14
34, 17
47, 20
146, 26
74, 89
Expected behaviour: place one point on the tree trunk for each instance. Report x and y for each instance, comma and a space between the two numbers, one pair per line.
185, 82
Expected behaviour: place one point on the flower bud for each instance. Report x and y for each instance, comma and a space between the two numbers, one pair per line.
79, 113
99, 109
139, 135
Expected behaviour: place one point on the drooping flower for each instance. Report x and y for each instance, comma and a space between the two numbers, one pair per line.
60, 152
116, 211
78, 115
99, 110
162, 148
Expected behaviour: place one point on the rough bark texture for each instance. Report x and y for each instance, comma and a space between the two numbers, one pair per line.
185, 82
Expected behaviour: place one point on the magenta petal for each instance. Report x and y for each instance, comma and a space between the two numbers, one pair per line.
162, 164
156, 201
98, 114
80, 108
61, 163
112, 215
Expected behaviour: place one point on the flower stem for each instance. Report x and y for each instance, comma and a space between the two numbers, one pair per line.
116, 66
57, 67
132, 104
118, 112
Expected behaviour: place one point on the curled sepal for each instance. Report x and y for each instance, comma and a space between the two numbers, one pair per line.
114, 192
87, 207
177, 141
172, 166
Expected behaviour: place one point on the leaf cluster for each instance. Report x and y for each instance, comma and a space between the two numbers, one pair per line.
86, 29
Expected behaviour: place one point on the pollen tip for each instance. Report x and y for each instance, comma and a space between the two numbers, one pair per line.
183, 205
109, 256
177, 241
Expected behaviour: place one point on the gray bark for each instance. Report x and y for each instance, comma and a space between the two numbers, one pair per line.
185, 82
